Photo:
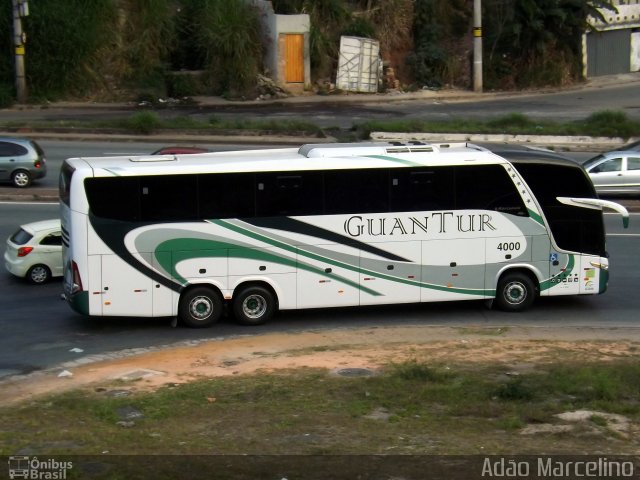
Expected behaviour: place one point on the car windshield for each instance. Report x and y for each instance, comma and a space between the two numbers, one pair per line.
21, 237
592, 161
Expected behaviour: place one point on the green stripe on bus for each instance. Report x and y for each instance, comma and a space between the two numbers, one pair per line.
568, 269
357, 269
536, 216
197, 248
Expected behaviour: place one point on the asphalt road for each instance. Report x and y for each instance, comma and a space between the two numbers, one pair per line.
58, 150
39, 330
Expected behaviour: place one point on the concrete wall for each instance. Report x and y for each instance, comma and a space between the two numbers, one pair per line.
274, 28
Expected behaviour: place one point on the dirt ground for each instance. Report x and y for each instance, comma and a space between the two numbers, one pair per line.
520, 348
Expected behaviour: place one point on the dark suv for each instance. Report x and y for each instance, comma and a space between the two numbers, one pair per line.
21, 161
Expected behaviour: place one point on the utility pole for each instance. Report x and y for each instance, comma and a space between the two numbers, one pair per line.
477, 45
20, 9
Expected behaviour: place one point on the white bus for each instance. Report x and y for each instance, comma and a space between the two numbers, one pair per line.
324, 226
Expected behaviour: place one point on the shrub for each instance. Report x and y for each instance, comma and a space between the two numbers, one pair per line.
144, 122
514, 389
412, 370
611, 124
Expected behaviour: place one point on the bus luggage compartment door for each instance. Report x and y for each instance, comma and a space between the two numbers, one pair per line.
125, 291
328, 276
453, 269
391, 281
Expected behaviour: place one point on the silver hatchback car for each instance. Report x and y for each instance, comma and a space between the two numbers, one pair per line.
616, 172
21, 161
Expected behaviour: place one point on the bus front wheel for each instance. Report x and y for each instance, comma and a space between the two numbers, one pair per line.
254, 305
200, 307
516, 292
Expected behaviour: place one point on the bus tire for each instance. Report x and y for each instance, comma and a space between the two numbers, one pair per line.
200, 307
516, 292
254, 305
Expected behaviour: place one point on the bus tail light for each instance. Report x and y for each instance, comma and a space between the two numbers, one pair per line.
77, 281
24, 251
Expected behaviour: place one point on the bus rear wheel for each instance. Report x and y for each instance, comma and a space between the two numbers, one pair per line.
200, 307
254, 305
516, 292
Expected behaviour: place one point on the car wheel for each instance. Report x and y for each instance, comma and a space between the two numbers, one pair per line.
200, 307
254, 305
21, 178
516, 292
39, 274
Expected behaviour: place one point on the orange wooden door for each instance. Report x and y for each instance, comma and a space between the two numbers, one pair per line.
294, 51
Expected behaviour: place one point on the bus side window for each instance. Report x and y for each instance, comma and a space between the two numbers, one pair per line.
488, 187
229, 195
422, 189
288, 193
114, 198
356, 191
169, 198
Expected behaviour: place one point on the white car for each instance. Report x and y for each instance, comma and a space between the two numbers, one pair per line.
34, 252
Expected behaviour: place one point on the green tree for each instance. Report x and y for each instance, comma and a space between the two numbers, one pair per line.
437, 26
63, 37
535, 41
226, 39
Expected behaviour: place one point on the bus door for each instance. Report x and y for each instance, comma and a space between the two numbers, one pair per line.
391, 280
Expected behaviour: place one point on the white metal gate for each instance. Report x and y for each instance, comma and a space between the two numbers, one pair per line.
358, 65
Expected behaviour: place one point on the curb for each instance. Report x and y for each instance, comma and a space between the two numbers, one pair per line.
170, 137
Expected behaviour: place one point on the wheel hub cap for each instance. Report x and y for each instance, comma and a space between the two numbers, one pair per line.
201, 308
515, 293
21, 179
254, 306
38, 275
